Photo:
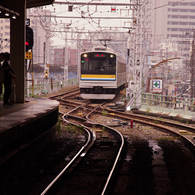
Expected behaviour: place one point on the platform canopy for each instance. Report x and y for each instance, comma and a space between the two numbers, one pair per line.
37, 3
8, 8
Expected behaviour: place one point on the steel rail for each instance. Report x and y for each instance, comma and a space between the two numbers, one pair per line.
133, 116
90, 138
119, 154
64, 93
127, 116
117, 159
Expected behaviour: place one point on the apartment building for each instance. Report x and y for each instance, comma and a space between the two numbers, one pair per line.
174, 20
59, 56
4, 35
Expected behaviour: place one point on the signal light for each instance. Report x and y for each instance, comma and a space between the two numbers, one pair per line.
113, 9
46, 74
29, 38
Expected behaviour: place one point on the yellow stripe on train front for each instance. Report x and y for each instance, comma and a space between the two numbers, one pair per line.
97, 76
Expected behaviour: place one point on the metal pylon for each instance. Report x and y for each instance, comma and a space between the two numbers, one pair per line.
139, 44
192, 68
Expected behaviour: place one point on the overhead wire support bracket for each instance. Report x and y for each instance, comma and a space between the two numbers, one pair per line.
102, 4
94, 17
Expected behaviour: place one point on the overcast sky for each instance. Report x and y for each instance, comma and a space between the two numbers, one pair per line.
87, 11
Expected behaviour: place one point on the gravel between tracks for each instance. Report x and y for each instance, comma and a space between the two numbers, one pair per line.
137, 176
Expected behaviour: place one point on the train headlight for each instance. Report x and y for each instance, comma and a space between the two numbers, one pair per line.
111, 56
85, 55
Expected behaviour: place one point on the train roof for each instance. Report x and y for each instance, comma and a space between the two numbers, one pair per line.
101, 49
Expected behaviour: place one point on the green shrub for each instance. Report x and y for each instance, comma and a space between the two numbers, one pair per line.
104, 113
70, 128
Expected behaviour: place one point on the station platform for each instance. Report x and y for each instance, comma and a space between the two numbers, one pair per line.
185, 114
22, 124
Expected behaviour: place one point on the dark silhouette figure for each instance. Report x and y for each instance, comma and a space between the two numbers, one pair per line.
2, 58
8, 76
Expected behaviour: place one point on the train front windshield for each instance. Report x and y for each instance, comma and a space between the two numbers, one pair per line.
98, 63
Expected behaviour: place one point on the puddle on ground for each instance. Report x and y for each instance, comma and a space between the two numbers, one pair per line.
128, 158
161, 177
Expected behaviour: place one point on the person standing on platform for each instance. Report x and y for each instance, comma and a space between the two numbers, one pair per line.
8, 76
2, 58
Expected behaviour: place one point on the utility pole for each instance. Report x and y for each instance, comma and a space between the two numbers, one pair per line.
66, 28
192, 68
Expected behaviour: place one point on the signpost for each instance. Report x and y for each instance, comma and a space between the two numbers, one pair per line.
27, 22
28, 55
156, 85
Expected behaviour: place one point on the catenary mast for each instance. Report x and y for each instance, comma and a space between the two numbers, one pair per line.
139, 42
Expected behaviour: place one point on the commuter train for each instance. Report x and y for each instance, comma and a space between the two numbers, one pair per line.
102, 74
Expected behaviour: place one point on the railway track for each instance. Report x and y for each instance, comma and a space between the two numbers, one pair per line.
177, 135
144, 163
158, 156
150, 146
92, 168
68, 94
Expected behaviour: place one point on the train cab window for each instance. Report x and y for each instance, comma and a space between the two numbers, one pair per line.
98, 63
111, 66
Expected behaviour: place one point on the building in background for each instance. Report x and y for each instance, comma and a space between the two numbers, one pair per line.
173, 19
38, 22
5, 35
58, 56
72, 55
59, 53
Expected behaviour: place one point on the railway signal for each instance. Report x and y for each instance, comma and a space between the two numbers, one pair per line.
29, 38
46, 74
113, 9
